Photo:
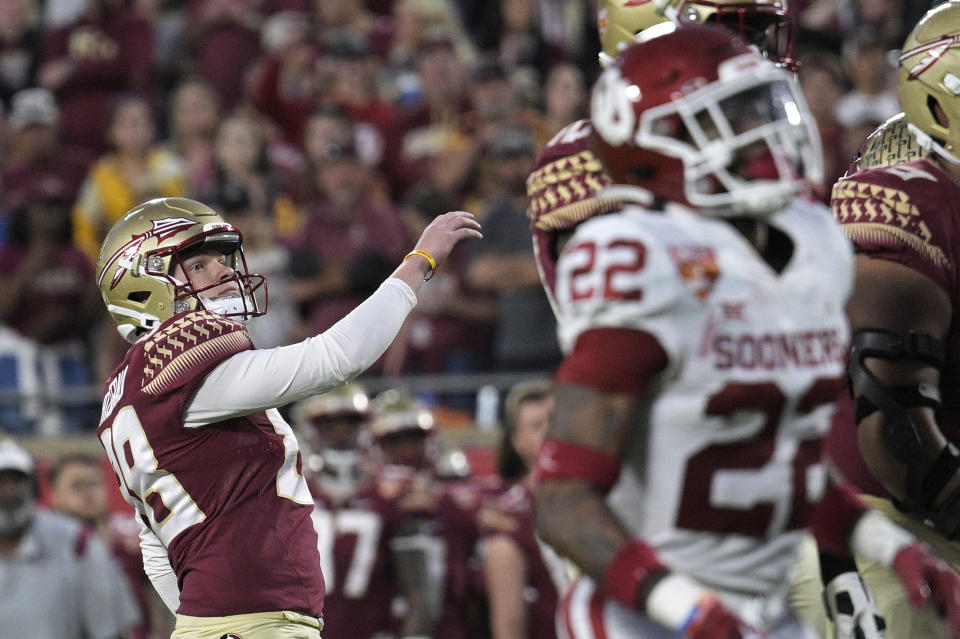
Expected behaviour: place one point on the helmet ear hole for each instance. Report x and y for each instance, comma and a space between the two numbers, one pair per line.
139, 296
937, 112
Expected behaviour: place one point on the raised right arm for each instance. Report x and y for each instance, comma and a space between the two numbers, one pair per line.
256, 380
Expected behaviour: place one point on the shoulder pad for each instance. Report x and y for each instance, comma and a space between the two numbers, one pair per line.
896, 205
192, 342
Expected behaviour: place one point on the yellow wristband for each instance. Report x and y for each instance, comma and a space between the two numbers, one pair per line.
431, 260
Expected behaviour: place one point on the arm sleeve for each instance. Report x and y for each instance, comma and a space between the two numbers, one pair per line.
156, 564
260, 379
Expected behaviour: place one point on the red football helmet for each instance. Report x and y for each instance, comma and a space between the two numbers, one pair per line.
699, 118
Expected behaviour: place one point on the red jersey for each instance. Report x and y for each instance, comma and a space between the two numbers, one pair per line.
512, 516
464, 613
909, 214
355, 549
227, 499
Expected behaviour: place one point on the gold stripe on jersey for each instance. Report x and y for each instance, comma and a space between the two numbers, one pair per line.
883, 234
561, 193
188, 342
880, 214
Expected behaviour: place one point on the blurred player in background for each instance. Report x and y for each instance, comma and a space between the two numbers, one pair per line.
898, 208
568, 175
357, 523
189, 418
704, 330
523, 575
402, 430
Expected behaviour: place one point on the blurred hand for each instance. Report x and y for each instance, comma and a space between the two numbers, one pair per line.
929, 581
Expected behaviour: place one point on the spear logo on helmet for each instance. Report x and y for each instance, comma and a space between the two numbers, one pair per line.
162, 229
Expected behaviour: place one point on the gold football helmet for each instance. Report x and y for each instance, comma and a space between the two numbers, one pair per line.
929, 80
763, 23
394, 412
348, 400
139, 254
619, 22
330, 429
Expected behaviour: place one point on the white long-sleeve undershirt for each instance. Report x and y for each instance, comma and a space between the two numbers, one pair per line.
156, 563
259, 379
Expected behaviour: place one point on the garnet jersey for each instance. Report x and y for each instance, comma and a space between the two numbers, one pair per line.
457, 525
512, 515
356, 541
227, 500
910, 214
725, 465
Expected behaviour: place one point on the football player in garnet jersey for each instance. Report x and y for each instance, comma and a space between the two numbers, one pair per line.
361, 530
705, 338
330, 428
905, 362
189, 419
402, 430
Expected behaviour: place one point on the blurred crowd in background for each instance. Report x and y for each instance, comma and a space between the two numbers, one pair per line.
330, 132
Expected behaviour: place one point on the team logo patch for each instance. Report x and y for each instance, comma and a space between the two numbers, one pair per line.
231, 636
697, 266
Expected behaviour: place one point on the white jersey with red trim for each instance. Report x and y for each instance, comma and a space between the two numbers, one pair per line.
726, 459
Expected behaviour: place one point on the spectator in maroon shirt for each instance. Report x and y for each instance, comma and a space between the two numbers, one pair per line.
89, 63
48, 305
349, 70
285, 85
224, 37
21, 42
441, 120
352, 233
37, 160
44, 292
450, 330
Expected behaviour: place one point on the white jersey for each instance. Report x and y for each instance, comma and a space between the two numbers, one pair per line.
725, 463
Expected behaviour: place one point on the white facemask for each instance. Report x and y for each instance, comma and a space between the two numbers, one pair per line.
340, 474
234, 305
